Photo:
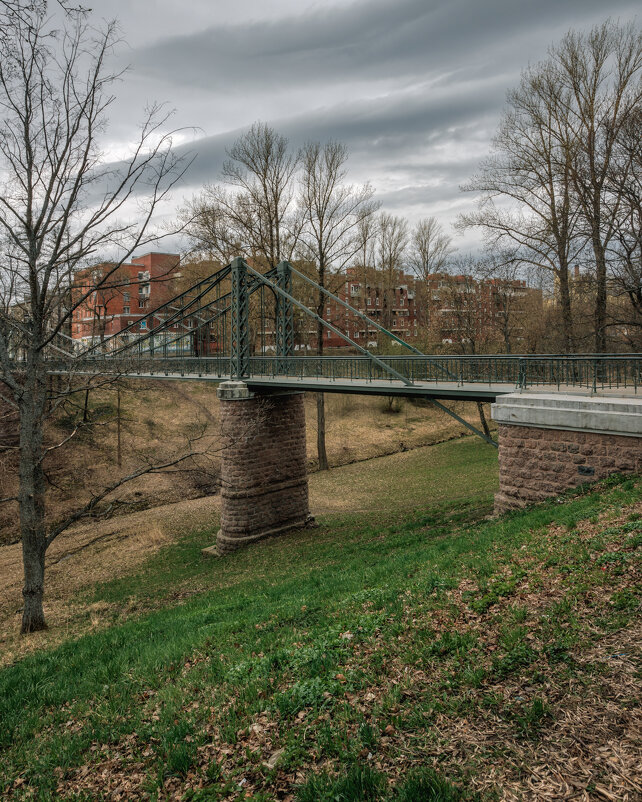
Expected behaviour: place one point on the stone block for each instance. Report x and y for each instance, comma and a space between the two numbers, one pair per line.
555, 454
264, 486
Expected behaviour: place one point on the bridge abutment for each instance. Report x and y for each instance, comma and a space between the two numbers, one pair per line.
549, 443
264, 484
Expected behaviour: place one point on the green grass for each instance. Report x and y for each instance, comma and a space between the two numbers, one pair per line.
280, 647
442, 485
413, 480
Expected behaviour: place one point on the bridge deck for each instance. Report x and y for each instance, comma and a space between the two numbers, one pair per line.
464, 391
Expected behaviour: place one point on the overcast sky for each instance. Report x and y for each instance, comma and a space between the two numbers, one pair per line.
415, 88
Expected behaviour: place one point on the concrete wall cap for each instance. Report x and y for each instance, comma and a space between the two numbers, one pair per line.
567, 401
618, 416
233, 391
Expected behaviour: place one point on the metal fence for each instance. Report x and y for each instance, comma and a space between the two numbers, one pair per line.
593, 372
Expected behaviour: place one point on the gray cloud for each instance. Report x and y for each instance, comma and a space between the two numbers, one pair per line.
370, 40
413, 87
384, 131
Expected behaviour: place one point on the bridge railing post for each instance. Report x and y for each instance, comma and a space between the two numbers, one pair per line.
521, 374
240, 321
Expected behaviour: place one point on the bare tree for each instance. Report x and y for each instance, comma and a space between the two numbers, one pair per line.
211, 238
526, 189
333, 212
364, 262
429, 252
504, 296
251, 212
553, 157
459, 320
430, 248
600, 73
60, 207
392, 242
625, 249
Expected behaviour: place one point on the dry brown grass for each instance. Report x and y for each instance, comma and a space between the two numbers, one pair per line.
158, 418
84, 556
361, 427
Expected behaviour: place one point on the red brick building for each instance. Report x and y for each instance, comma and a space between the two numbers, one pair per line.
124, 298
392, 306
453, 309
444, 309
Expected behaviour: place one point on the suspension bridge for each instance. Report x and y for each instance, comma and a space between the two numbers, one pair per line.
239, 324
560, 418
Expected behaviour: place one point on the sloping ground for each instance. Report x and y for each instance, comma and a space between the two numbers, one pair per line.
100, 551
157, 419
434, 656
85, 555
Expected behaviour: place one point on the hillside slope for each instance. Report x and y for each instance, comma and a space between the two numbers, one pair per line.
158, 417
429, 655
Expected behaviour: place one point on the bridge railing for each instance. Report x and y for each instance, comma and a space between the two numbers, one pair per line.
590, 372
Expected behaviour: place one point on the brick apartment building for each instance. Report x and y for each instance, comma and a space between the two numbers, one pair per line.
126, 297
455, 308
403, 304
393, 307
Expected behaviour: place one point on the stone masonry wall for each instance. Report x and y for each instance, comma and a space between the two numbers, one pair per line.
535, 463
264, 486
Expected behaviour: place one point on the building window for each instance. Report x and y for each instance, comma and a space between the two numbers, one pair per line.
143, 324
125, 310
356, 335
329, 334
402, 301
369, 301
125, 297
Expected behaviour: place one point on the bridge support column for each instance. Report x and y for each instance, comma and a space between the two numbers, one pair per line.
549, 443
264, 484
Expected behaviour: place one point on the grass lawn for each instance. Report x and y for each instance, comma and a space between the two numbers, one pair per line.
388, 655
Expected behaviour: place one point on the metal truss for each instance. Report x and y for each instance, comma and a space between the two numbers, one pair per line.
326, 324
240, 320
284, 315
465, 423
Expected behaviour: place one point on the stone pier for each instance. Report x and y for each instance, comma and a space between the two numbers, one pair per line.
264, 484
549, 443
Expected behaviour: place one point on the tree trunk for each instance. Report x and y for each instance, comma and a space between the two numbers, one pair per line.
482, 418
567, 313
32, 498
506, 329
600, 297
119, 452
323, 457
85, 412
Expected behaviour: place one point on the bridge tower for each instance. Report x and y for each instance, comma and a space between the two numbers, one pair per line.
264, 482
